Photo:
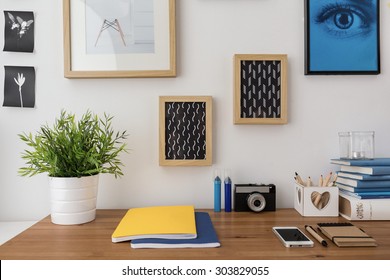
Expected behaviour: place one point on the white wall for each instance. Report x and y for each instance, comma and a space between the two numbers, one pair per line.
209, 33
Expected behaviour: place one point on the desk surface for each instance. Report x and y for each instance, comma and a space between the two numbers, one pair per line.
242, 235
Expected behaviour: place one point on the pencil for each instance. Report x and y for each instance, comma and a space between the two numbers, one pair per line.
327, 178
299, 179
320, 181
309, 182
333, 181
317, 200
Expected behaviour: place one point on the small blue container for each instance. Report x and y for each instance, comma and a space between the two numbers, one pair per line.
217, 194
228, 194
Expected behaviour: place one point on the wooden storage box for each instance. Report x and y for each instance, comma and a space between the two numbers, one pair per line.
316, 201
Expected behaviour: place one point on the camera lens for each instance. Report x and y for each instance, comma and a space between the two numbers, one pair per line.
256, 202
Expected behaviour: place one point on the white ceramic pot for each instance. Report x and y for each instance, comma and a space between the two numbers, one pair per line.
73, 200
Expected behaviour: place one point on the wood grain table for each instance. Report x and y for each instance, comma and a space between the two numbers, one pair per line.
243, 236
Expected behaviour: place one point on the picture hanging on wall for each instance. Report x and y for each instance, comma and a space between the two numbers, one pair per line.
119, 38
342, 37
19, 86
18, 31
185, 130
260, 89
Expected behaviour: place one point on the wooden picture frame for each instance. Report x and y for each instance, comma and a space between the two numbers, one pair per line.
342, 39
260, 89
185, 137
112, 41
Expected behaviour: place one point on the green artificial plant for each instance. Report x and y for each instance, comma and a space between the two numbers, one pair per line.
72, 148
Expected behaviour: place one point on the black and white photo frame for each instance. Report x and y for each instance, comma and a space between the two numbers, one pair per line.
185, 131
19, 31
19, 86
260, 89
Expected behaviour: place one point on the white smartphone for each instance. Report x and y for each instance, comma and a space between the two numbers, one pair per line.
292, 237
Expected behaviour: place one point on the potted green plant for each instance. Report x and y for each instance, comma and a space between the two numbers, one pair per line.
73, 153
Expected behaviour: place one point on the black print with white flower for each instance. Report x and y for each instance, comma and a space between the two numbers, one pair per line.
19, 86
19, 31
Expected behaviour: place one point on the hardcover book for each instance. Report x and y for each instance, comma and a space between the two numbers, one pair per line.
362, 162
357, 190
367, 195
369, 170
363, 177
356, 209
363, 184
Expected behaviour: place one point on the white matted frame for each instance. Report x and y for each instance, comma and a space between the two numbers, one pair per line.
160, 62
260, 89
185, 131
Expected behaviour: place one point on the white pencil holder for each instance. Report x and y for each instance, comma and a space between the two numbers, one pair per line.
316, 201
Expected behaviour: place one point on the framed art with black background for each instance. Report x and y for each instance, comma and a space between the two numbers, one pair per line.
260, 89
185, 130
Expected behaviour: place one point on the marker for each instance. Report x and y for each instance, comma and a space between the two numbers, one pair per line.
316, 235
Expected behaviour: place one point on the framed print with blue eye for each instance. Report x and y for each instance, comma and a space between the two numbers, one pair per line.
342, 37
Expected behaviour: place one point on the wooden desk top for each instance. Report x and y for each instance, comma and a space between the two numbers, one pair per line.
242, 235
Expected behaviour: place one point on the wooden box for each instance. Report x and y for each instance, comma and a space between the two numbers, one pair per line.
316, 201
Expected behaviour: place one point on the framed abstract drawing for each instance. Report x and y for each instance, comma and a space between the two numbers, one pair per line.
342, 37
260, 89
119, 38
185, 130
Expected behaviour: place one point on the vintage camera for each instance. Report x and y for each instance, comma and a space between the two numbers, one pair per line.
253, 197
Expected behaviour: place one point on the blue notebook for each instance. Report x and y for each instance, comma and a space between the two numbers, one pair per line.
363, 177
363, 184
369, 170
362, 162
358, 190
367, 195
206, 237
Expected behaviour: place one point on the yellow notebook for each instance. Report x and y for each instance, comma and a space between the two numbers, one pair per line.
169, 222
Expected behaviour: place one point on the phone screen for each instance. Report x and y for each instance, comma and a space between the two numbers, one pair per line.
291, 234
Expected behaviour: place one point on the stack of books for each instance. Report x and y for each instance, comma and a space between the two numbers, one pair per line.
364, 188
166, 227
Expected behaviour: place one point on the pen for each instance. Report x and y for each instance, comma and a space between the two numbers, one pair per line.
316, 235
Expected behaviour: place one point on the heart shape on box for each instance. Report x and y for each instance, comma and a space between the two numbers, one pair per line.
299, 193
320, 200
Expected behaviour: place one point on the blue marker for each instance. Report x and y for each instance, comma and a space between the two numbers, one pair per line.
217, 194
228, 194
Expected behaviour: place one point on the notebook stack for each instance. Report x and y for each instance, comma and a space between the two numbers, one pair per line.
364, 188
166, 227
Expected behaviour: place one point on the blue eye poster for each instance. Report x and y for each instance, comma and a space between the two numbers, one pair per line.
342, 37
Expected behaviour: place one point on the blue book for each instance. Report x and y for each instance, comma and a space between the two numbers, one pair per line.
367, 195
362, 162
358, 190
206, 237
363, 177
369, 170
363, 184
